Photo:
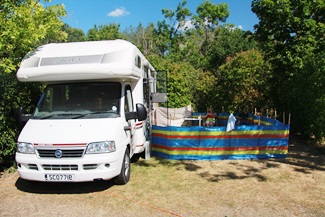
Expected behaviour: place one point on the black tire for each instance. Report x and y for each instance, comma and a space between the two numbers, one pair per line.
135, 158
124, 176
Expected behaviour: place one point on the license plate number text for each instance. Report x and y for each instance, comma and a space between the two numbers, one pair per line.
58, 177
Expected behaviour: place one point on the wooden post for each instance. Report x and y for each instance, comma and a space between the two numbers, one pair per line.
284, 117
199, 118
289, 119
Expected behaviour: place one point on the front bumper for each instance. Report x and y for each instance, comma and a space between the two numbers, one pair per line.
87, 168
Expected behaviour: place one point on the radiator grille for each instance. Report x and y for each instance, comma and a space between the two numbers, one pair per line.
75, 153
60, 167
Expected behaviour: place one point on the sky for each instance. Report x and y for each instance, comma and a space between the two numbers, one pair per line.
84, 14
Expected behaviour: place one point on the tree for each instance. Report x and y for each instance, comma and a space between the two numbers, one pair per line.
291, 33
245, 80
208, 18
170, 33
179, 80
143, 38
74, 34
228, 42
23, 25
104, 32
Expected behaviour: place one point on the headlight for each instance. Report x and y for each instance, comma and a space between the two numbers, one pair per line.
101, 147
25, 148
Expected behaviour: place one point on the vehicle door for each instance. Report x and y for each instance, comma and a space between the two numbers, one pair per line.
128, 107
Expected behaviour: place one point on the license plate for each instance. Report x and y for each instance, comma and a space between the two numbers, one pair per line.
59, 177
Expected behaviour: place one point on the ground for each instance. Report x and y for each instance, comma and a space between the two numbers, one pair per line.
294, 186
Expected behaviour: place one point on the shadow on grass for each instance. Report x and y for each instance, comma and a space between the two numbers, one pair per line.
242, 172
193, 166
62, 188
302, 157
232, 176
188, 165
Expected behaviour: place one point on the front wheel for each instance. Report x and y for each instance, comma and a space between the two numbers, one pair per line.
124, 175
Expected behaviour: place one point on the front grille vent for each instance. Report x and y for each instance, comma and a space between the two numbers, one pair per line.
60, 167
50, 153
32, 166
90, 166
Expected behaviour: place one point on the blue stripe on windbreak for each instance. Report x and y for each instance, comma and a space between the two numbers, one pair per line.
218, 157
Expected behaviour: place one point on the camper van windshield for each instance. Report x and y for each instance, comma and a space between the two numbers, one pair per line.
79, 100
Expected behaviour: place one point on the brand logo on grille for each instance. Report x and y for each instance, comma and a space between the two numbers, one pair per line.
58, 153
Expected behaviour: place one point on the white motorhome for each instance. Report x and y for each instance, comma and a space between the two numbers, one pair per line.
91, 119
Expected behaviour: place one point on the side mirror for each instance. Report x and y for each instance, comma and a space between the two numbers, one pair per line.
141, 112
22, 117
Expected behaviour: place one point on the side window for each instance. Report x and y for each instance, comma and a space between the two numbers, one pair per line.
146, 90
137, 61
128, 100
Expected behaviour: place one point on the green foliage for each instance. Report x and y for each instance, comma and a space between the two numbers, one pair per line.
143, 38
176, 79
205, 47
23, 25
291, 34
208, 19
245, 82
104, 32
229, 41
74, 34
170, 33
13, 95
209, 15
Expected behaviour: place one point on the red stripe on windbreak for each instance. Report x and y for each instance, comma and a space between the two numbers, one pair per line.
74, 144
222, 149
222, 136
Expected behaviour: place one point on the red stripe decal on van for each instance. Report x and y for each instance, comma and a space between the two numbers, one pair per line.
139, 124
66, 145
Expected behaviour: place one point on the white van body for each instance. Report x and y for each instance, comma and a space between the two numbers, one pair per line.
84, 127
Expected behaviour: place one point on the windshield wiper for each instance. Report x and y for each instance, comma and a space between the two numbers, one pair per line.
91, 113
52, 115
77, 115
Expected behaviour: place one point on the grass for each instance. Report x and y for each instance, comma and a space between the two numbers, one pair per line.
290, 186
293, 186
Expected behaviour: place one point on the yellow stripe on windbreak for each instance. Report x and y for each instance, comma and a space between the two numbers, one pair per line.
195, 152
219, 133
247, 132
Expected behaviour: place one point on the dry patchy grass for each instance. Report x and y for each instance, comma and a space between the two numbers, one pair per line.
294, 186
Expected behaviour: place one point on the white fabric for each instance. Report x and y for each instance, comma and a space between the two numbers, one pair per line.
231, 122
175, 116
